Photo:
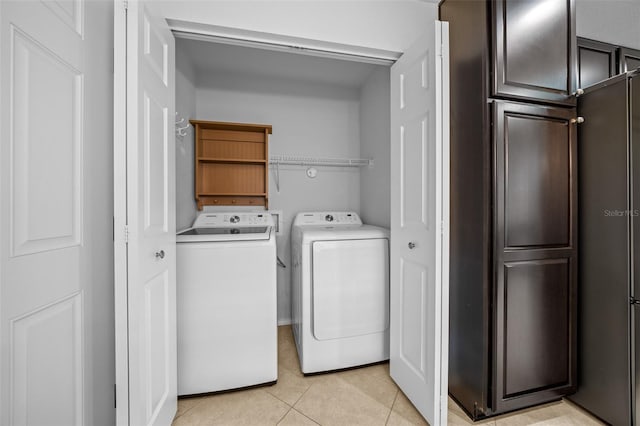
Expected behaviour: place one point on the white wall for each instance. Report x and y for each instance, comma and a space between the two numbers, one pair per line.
389, 25
375, 182
611, 21
98, 224
186, 108
308, 119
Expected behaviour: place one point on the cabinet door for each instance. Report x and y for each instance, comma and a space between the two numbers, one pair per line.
534, 54
535, 252
596, 62
628, 59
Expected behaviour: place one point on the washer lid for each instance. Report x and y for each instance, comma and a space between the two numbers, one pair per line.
220, 231
252, 233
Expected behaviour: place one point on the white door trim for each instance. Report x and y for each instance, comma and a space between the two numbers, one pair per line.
120, 211
443, 193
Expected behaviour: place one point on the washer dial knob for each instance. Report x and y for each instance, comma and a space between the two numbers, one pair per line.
328, 218
234, 219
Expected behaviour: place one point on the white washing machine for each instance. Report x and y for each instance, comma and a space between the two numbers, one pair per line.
226, 291
340, 291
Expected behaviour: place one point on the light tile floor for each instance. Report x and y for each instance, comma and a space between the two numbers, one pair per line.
365, 396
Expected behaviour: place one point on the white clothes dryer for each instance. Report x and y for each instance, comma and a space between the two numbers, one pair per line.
340, 291
227, 303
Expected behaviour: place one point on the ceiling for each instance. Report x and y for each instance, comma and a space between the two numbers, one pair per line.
211, 57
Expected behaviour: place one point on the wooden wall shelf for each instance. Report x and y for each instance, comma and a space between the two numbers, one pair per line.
231, 163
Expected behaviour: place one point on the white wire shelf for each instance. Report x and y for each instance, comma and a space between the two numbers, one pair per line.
292, 160
275, 161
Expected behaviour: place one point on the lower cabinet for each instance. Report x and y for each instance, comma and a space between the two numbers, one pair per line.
513, 297
535, 254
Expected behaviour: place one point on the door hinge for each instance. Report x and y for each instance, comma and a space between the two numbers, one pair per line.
634, 301
126, 234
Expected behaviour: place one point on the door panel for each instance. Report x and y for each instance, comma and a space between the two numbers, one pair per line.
604, 273
46, 185
146, 361
44, 280
536, 253
536, 324
535, 50
156, 132
419, 224
413, 151
538, 172
596, 62
157, 341
413, 323
151, 177
36, 402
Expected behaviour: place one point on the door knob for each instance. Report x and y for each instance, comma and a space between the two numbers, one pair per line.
160, 254
411, 245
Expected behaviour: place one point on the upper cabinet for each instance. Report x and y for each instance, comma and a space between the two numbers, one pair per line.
628, 59
534, 50
597, 61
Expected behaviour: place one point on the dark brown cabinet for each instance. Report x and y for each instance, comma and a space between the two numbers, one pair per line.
535, 50
597, 61
513, 256
535, 252
628, 59
609, 314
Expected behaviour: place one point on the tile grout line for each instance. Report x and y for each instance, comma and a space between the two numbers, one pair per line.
285, 414
303, 394
391, 409
303, 414
282, 400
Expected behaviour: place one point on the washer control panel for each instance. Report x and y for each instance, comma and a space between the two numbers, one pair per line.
327, 218
214, 220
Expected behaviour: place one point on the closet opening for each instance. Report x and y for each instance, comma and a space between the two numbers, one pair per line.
330, 113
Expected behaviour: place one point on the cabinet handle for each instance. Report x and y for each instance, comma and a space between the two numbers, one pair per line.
578, 92
577, 120
411, 245
160, 254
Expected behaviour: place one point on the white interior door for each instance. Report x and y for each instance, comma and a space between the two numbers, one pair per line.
45, 286
146, 358
419, 224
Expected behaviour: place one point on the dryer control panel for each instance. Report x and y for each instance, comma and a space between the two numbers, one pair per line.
327, 218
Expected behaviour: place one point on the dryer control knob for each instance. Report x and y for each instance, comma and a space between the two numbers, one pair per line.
328, 218
235, 219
